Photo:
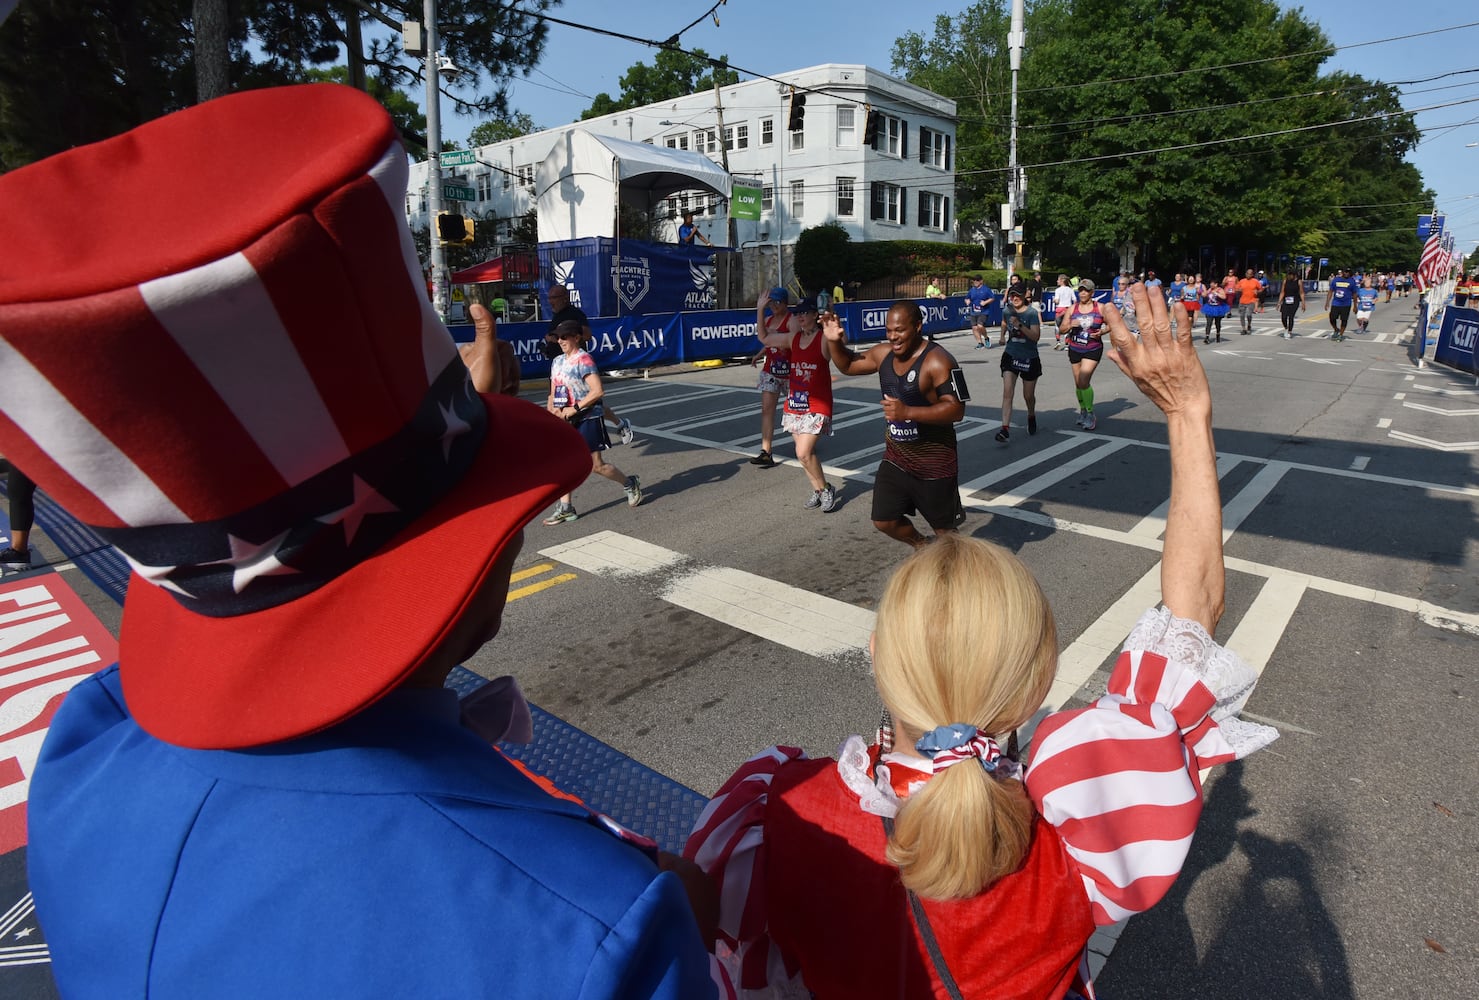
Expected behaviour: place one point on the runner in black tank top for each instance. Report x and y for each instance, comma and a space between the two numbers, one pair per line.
921, 404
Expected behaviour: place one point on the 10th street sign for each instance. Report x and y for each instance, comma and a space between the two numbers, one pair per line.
456, 192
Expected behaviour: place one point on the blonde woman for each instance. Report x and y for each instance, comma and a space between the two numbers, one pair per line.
924, 863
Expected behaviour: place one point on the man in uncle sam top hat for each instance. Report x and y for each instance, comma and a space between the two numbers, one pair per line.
271, 794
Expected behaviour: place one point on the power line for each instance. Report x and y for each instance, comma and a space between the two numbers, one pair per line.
1328, 50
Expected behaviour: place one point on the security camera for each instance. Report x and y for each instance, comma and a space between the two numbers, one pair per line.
447, 68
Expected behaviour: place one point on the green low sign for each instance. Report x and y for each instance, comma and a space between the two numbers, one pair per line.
456, 192
744, 203
459, 158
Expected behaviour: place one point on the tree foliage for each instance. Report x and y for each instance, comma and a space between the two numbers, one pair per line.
1173, 126
501, 129
77, 71
672, 74
824, 255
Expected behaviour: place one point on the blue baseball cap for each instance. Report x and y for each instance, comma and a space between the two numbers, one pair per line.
779, 294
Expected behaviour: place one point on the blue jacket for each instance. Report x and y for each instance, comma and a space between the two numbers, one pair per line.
395, 855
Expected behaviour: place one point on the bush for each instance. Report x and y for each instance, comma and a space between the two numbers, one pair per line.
824, 256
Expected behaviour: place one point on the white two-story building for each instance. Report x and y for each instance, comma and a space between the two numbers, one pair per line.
900, 187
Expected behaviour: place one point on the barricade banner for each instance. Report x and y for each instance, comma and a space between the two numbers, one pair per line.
631, 278
1457, 338
728, 333
637, 341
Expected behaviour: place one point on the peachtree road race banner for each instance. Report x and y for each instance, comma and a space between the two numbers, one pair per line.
49, 641
1457, 339
633, 277
654, 339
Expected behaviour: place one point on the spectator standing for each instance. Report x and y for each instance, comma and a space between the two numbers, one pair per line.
323, 519
1063, 300
688, 232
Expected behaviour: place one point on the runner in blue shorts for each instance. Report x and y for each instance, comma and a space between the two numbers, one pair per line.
1021, 327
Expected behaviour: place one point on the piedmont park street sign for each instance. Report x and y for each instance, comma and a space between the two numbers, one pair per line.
458, 158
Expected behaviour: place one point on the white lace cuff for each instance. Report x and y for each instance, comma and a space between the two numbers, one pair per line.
1186, 644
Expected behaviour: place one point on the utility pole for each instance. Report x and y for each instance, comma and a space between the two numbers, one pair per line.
1016, 184
434, 161
724, 159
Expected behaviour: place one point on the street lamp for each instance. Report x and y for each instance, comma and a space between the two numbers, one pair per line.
434, 161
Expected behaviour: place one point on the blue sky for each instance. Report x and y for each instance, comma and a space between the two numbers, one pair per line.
768, 36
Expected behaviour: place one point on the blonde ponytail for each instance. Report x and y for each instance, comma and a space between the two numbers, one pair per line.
964, 635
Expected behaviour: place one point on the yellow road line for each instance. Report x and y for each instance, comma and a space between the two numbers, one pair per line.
525, 574
534, 588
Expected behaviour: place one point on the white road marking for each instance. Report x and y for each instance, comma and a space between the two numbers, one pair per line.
1361, 461
1386, 422
1445, 392
1435, 445
802, 620
1153, 525
1400, 395
1021, 465
1059, 473
1103, 638
1267, 618
1236, 510
799, 619
610, 553
1437, 409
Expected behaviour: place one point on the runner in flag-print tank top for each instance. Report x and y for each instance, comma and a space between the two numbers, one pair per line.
1085, 328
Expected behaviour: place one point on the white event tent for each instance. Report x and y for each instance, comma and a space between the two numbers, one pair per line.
580, 183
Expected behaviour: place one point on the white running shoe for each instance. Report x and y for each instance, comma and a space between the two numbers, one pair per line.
627, 434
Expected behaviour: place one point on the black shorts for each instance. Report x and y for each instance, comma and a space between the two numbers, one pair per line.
592, 427
896, 495
1029, 370
1094, 354
1342, 313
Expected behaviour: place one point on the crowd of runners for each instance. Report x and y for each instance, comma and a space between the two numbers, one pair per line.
921, 383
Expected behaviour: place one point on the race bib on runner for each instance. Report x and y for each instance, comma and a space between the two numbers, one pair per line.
1023, 365
903, 430
1288, 300
562, 395
799, 402
780, 367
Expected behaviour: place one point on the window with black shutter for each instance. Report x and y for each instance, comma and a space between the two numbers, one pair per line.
903, 207
947, 152
903, 139
876, 189
945, 216
924, 144
924, 207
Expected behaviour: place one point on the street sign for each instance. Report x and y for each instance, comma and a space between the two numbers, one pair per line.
456, 192
459, 158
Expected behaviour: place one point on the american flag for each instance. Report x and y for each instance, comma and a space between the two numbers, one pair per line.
1434, 262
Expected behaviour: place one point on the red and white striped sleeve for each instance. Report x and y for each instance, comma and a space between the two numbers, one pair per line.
726, 844
1120, 780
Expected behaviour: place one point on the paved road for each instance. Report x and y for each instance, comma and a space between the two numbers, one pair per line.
720, 617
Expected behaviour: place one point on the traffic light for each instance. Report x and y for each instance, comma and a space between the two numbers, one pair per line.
453, 228
870, 128
798, 112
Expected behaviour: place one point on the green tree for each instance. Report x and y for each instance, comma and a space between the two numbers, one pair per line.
77, 71
501, 129
824, 255
1167, 126
966, 59
671, 74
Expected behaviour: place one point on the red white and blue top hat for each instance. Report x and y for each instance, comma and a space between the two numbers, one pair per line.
255, 403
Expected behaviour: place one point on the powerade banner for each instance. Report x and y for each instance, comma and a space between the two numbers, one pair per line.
1457, 339
642, 278
648, 341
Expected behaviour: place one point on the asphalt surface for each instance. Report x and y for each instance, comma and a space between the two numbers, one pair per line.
1337, 863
